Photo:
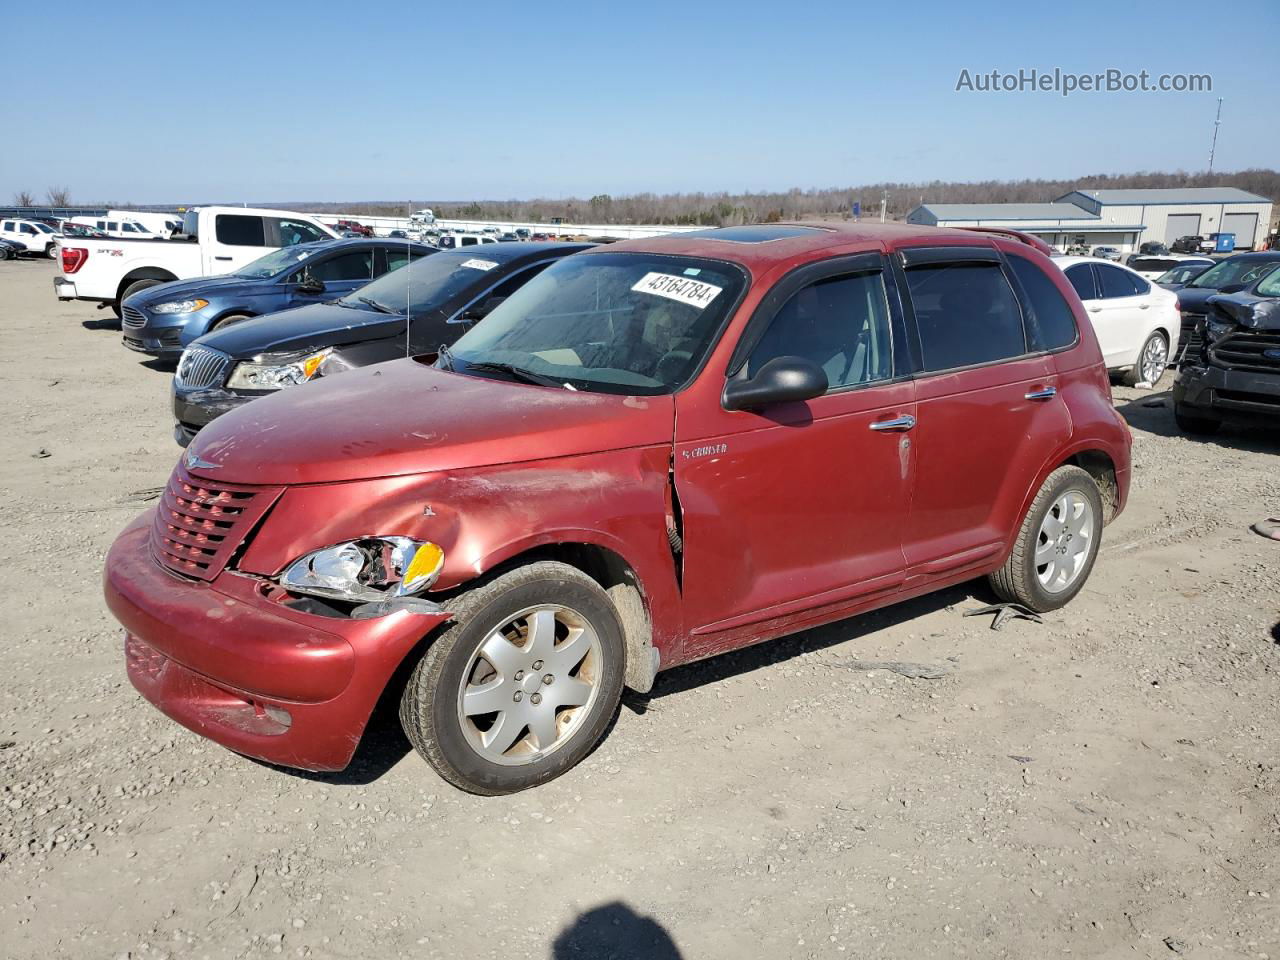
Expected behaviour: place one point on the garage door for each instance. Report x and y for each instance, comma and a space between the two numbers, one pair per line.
1243, 225
1181, 225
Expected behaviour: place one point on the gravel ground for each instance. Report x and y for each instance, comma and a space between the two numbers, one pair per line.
1103, 785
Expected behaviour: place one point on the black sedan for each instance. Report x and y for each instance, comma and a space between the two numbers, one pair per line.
410, 311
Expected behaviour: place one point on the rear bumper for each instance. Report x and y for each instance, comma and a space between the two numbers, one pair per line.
65, 289
227, 662
1232, 394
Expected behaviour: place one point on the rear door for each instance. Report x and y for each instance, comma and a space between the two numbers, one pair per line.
1121, 317
801, 505
234, 240
988, 411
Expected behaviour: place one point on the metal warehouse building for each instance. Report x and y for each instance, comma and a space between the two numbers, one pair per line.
1118, 218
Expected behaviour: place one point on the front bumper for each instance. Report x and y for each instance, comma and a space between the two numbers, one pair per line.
1233, 394
233, 664
194, 409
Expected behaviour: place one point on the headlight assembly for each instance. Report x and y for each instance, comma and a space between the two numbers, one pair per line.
180, 306
366, 570
1215, 330
273, 373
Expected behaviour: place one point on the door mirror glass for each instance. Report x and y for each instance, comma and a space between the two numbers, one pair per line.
307, 284
781, 380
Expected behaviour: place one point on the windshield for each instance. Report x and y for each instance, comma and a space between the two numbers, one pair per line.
1182, 274
425, 284
1233, 271
1270, 287
277, 261
631, 323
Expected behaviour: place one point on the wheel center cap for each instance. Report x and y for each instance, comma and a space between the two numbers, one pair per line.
531, 682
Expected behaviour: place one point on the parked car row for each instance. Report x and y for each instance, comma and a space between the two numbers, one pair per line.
548, 483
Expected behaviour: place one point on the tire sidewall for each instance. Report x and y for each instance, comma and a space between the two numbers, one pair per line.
1084, 485
136, 287
453, 655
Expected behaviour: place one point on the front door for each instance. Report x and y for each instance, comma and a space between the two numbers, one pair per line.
1120, 314
802, 505
331, 277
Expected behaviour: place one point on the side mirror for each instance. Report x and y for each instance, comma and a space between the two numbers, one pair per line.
482, 310
310, 285
781, 380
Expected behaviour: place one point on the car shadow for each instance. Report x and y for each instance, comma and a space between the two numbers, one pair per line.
1153, 414
160, 364
110, 322
615, 931
772, 652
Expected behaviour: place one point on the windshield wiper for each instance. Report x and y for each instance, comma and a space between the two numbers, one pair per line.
380, 307
518, 373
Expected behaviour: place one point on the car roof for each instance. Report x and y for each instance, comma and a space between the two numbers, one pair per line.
761, 246
1071, 261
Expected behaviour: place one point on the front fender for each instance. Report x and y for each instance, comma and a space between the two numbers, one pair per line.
484, 517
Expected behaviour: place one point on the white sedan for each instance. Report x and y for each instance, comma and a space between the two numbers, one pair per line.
1155, 266
1136, 322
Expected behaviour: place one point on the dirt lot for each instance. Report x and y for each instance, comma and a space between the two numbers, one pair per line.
1104, 785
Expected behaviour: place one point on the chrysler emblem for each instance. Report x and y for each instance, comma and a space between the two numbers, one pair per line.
195, 463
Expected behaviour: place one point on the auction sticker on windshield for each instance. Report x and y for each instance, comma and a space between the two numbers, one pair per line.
479, 264
683, 289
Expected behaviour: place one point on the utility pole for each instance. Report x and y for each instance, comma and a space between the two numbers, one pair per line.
1213, 144
884, 203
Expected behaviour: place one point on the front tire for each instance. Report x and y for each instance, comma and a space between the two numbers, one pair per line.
1153, 360
1057, 543
1193, 424
227, 321
521, 685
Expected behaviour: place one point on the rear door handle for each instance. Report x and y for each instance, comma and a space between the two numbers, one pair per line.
899, 424
222, 258
1046, 393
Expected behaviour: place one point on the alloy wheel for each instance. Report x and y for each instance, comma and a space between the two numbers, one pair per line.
1155, 357
1065, 539
530, 685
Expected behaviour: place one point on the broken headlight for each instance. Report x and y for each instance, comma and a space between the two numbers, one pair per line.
365, 570
1215, 329
273, 372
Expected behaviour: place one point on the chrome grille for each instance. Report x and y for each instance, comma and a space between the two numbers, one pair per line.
199, 524
201, 367
1248, 350
132, 318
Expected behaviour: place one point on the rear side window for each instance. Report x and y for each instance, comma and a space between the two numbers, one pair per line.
237, 230
1119, 283
966, 314
1081, 277
1053, 315
841, 324
397, 257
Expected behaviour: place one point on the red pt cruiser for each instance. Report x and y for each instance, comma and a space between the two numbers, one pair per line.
651, 453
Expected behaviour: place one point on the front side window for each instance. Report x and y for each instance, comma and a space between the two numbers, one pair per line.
966, 314
1270, 287
293, 232
841, 324
1119, 283
357, 265
238, 230
628, 323
128, 228
1053, 315
28, 228
1233, 271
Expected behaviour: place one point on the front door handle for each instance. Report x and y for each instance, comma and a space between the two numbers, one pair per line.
1144, 306
1095, 309
899, 424
1046, 393
222, 258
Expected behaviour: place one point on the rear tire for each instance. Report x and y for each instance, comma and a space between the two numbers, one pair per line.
1194, 424
1153, 361
51, 251
477, 663
1055, 550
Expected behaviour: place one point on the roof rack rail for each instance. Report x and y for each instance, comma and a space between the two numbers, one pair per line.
1029, 239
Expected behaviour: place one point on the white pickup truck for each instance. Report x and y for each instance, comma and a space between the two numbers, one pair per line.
214, 240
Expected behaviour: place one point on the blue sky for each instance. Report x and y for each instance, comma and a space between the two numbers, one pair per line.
277, 100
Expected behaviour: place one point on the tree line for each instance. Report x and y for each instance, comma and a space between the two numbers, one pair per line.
731, 209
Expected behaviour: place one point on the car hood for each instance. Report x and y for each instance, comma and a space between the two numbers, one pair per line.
405, 417
1246, 310
302, 328
198, 287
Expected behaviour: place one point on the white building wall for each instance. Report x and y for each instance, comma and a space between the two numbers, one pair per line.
1155, 217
